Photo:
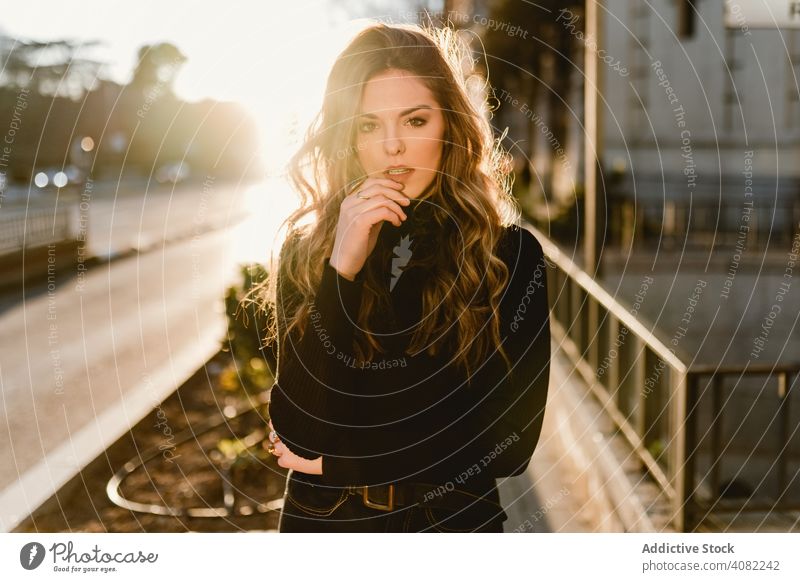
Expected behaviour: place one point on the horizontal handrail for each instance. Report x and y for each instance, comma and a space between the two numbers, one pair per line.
577, 274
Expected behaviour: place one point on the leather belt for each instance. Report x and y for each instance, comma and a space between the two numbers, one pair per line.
387, 497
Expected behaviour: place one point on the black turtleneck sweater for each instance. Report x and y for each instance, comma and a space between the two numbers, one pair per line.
414, 418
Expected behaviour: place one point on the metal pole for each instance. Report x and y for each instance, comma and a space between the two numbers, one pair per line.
594, 137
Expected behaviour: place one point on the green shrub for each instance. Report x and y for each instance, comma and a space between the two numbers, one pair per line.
253, 362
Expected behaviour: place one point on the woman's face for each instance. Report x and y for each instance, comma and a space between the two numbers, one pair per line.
400, 131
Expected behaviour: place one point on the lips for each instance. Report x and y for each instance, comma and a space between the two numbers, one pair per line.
398, 173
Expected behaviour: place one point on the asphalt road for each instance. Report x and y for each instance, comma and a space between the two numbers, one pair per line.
83, 345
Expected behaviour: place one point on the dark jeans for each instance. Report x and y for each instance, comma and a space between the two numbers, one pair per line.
310, 507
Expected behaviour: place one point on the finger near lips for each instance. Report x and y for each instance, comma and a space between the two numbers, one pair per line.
376, 189
379, 202
373, 200
373, 189
380, 181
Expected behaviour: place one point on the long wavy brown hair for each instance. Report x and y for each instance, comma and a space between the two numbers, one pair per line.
460, 303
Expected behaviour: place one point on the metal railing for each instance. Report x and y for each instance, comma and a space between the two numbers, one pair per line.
757, 440
32, 227
656, 399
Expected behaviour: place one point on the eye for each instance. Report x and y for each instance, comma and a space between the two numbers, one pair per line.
366, 127
416, 122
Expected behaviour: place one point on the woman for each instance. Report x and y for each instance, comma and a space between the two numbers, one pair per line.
412, 318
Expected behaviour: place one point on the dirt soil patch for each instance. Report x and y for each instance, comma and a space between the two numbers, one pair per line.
180, 475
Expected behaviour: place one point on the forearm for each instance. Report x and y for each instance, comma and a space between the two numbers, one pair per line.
308, 397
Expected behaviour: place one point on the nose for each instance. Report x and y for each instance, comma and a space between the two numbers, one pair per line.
393, 144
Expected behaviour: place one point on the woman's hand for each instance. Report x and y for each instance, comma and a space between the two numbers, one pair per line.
288, 460
360, 221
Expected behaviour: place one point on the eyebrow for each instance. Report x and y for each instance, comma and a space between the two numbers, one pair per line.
402, 113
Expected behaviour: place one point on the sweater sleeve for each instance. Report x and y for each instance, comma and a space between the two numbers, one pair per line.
507, 419
500, 432
308, 397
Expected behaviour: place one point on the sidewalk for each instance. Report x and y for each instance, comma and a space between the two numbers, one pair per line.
580, 478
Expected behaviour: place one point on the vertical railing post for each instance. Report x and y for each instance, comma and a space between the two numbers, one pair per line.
612, 373
593, 331
690, 449
716, 432
677, 447
575, 315
783, 438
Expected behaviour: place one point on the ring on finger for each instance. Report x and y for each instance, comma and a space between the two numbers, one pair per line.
271, 449
362, 196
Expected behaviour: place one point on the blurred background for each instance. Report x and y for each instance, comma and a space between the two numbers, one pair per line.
142, 185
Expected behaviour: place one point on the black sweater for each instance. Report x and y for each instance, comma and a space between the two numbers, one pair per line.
414, 418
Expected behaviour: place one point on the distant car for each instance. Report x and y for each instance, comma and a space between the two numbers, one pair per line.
173, 172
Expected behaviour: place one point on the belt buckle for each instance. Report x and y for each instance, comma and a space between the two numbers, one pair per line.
384, 506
